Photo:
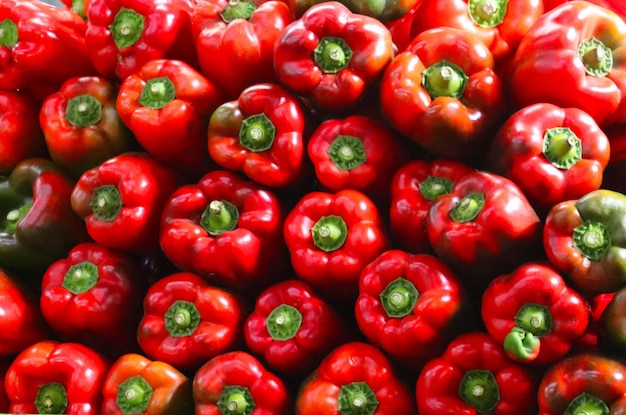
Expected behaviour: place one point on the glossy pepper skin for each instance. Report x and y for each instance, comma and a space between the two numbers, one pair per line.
414, 187
186, 321
383, 10
291, 328
81, 125
411, 306
553, 154
534, 314
124, 35
235, 41
452, 99
39, 225
165, 104
331, 55
21, 137
138, 385
575, 50
475, 376
583, 382
121, 201
225, 228
584, 239
56, 377
611, 322
356, 378
90, 297
331, 237
237, 383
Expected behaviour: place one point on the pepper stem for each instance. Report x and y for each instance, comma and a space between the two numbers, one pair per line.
356, 398
8, 33
83, 111
133, 395
332, 54
237, 9
236, 400
106, 203
51, 398
596, 56
126, 28
487, 13
219, 216
521, 344
562, 147
347, 152
182, 318
329, 233
479, 389
468, 208
535, 319
257, 133
15, 216
444, 79
399, 297
283, 322
78, 7
157, 93
433, 187
592, 239
586, 404
81, 277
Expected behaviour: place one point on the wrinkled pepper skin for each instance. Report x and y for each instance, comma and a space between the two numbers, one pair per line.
227, 229
475, 376
585, 240
237, 383
121, 201
55, 377
451, 97
414, 187
81, 125
611, 324
332, 56
553, 154
534, 314
186, 321
135, 384
575, 49
586, 382
38, 224
72, 293
411, 306
354, 379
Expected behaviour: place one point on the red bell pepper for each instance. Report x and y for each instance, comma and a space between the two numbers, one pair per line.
262, 135
186, 321
584, 240
332, 56
121, 201
355, 152
413, 189
237, 383
444, 94
124, 35
165, 104
21, 137
227, 229
56, 378
19, 314
355, 379
79, 7
292, 328
235, 39
475, 376
583, 383
72, 293
553, 154
483, 228
400, 28
137, 385
589, 341
411, 306
331, 237
575, 50
534, 314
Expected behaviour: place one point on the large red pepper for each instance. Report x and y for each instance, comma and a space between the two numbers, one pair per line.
331, 55
553, 154
534, 314
475, 376
227, 229
571, 57
355, 379
292, 328
237, 383
411, 306
121, 201
443, 93
56, 378
166, 103
72, 293
186, 321
331, 237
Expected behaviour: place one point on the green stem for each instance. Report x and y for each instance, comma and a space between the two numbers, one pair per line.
399, 297
237, 9
284, 322
235, 400
332, 54
356, 398
444, 79
219, 216
347, 152
468, 208
78, 7
433, 187
586, 404
106, 203
562, 147
15, 216
8, 33
126, 28
81, 277
133, 395
83, 111
487, 13
257, 133
51, 398
182, 318
535, 319
522, 344
329, 233
479, 389
592, 239
157, 93
596, 56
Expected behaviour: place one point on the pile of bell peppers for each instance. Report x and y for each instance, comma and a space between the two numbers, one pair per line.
313, 207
